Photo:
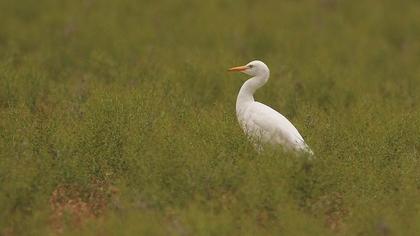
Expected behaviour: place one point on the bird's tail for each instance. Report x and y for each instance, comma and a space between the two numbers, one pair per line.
308, 151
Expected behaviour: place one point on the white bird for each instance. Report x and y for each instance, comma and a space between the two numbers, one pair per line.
260, 122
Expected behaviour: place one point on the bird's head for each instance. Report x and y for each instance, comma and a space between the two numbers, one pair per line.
253, 68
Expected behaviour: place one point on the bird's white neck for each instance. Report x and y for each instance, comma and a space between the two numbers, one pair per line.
246, 93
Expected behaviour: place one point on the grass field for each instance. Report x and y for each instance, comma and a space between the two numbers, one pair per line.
118, 117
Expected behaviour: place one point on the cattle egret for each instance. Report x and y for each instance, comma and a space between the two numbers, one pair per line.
260, 122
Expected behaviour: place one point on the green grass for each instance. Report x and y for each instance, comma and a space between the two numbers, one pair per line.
126, 108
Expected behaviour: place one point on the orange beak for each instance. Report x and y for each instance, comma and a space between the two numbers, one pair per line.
238, 68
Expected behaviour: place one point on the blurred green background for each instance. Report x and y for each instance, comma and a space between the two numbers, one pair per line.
118, 117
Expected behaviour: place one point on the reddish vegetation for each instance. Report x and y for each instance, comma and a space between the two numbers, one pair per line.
334, 210
73, 205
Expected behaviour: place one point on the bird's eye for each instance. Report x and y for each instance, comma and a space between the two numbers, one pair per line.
250, 66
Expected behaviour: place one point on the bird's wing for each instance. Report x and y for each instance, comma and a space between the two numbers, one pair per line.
269, 120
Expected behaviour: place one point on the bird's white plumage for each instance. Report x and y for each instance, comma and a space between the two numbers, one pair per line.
264, 124
260, 122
